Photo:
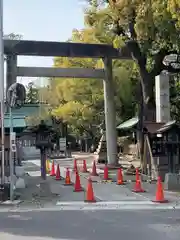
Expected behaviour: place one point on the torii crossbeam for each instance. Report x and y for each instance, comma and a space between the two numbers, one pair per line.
13, 48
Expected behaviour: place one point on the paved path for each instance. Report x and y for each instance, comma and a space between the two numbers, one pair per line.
90, 225
109, 193
102, 191
40, 193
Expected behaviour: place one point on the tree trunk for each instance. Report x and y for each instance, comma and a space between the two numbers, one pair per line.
147, 112
141, 126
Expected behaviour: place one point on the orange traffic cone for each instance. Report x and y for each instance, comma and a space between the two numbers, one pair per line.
52, 173
160, 193
137, 175
94, 172
120, 180
67, 179
75, 166
106, 173
77, 185
58, 174
138, 188
89, 192
84, 167
47, 166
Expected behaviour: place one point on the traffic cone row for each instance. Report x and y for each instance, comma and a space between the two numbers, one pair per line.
77, 185
89, 197
159, 198
138, 185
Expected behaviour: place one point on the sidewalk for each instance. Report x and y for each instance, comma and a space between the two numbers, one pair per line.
43, 193
112, 192
102, 191
51, 193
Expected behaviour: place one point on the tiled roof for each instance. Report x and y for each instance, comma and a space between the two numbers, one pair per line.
20, 114
26, 110
128, 124
18, 121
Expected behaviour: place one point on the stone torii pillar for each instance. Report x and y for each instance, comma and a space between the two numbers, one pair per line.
110, 114
162, 98
11, 70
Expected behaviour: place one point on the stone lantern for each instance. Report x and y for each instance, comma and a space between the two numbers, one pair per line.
43, 142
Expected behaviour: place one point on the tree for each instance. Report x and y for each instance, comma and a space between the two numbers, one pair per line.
12, 36
42, 114
173, 7
175, 97
80, 102
32, 93
147, 31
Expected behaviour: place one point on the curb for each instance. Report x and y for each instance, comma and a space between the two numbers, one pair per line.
11, 203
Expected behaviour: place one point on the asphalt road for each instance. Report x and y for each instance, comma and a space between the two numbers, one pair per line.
90, 225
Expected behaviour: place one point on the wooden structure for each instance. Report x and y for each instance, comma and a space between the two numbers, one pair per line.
165, 145
162, 146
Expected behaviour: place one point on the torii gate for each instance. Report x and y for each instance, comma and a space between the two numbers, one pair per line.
13, 48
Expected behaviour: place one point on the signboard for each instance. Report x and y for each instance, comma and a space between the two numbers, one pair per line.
62, 144
13, 141
162, 98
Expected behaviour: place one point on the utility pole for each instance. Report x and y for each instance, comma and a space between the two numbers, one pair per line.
2, 91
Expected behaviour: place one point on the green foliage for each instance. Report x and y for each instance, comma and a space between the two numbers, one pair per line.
174, 7
154, 25
155, 22
175, 98
13, 36
42, 114
80, 102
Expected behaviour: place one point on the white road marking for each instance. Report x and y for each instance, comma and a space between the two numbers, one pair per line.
82, 203
115, 205
93, 207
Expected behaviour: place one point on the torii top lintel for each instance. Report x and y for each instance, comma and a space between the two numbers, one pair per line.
62, 49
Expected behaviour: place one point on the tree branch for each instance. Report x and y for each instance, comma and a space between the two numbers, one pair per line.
132, 22
90, 132
136, 53
118, 30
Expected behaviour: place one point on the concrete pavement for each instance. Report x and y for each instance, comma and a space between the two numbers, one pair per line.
111, 192
40, 193
61, 214
110, 195
90, 225
103, 192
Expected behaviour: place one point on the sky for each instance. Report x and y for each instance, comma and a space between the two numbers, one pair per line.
46, 20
